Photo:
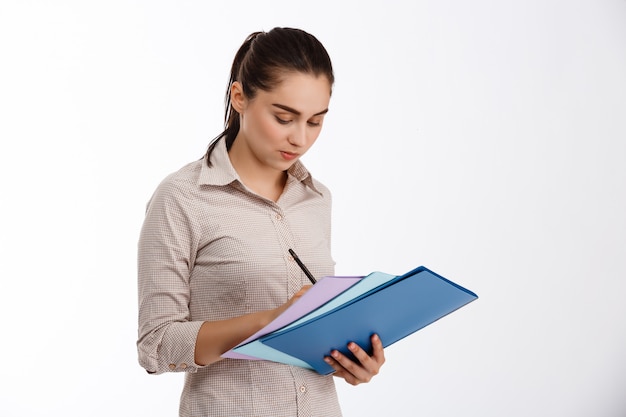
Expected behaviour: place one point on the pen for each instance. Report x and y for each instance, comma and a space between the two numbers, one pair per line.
304, 268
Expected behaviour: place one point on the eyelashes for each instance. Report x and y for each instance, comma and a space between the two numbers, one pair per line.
286, 122
282, 121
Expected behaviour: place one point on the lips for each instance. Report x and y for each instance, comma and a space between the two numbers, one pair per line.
289, 156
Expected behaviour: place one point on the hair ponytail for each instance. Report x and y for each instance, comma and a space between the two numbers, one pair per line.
260, 61
231, 117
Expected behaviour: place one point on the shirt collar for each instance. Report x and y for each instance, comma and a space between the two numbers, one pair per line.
222, 172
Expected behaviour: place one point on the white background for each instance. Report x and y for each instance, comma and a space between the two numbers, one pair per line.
485, 140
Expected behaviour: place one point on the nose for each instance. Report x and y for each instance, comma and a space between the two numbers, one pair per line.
297, 136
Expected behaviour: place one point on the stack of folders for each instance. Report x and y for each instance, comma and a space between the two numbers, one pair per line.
338, 310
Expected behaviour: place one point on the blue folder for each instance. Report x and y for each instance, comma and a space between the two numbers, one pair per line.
393, 310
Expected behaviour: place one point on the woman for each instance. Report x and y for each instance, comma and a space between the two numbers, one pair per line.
214, 263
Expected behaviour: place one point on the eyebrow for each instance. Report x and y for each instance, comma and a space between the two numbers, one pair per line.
296, 112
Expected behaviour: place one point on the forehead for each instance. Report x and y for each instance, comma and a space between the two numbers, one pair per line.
307, 93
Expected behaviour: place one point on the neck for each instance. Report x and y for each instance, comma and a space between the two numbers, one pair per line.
262, 180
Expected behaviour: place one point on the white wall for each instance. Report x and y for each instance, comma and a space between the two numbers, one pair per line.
485, 140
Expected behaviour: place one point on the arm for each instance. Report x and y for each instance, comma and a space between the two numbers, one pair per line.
217, 337
167, 243
169, 340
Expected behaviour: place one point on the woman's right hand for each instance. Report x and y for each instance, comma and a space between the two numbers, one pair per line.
281, 309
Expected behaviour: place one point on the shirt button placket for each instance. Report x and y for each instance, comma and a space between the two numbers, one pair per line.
285, 238
302, 392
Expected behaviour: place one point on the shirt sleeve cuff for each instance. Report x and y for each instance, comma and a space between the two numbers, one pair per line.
176, 350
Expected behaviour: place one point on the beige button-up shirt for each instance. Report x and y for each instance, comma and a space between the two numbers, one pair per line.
210, 249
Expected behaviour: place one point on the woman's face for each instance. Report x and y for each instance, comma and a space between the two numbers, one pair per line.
279, 126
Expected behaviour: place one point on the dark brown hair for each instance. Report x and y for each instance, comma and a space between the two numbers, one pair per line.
261, 61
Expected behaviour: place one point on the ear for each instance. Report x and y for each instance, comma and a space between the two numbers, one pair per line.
237, 97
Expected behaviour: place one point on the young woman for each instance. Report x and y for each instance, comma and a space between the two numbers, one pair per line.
214, 262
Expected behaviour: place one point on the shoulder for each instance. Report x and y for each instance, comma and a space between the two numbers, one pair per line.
179, 185
185, 178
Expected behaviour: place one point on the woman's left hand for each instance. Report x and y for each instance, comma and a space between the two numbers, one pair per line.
358, 372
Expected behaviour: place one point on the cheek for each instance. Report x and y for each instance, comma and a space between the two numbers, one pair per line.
259, 128
270, 130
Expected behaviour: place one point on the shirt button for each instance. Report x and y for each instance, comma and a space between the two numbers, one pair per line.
279, 217
172, 366
302, 389
183, 365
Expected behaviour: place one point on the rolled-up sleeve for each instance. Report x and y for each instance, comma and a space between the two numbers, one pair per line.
166, 253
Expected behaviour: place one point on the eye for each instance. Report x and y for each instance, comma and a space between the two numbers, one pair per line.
315, 122
282, 121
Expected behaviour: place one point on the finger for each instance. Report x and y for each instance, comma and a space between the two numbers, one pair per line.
341, 372
299, 294
303, 289
355, 369
371, 363
378, 352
